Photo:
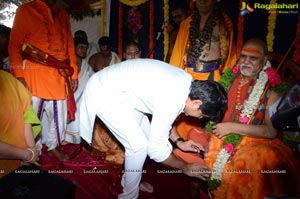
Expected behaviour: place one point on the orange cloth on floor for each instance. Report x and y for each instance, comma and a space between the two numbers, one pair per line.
253, 157
15, 101
227, 46
35, 25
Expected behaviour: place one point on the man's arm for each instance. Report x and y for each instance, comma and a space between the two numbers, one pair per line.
265, 130
11, 152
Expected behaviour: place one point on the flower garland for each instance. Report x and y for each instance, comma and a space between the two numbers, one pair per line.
271, 27
233, 139
240, 32
134, 20
151, 28
251, 103
166, 34
133, 3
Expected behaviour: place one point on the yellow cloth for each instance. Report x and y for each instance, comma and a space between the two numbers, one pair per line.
30, 117
228, 52
15, 102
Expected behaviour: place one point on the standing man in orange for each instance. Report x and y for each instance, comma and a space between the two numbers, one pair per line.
204, 48
43, 58
205, 42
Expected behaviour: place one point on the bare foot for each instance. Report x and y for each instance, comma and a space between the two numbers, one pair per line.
58, 155
146, 187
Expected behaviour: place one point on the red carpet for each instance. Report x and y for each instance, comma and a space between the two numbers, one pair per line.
96, 180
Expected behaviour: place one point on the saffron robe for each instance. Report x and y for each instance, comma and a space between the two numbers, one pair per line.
264, 166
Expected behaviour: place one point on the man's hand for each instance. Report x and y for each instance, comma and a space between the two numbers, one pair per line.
32, 156
190, 145
74, 84
222, 129
197, 170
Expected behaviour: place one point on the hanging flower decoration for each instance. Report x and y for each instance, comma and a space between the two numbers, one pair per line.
166, 34
133, 2
273, 76
134, 20
240, 32
271, 28
233, 139
151, 29
296, 56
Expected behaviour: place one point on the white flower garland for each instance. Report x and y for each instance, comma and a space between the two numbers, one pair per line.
251, 103
219, 164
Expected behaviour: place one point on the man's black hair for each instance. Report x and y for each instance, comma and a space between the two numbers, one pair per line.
213, 97
4, 30
104, 41
131, 43
81, 33
80, 40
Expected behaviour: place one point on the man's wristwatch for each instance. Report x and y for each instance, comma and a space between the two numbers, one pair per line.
180, 139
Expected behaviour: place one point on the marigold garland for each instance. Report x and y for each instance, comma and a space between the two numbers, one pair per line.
166, 34
133, 3
271, 28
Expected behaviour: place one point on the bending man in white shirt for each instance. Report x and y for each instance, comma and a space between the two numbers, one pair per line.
122, 94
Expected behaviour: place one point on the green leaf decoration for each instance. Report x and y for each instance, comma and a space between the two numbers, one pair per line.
233, 138
209, 126
212, 184
226, 78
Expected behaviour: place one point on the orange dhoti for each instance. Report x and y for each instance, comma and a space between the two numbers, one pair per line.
258, 168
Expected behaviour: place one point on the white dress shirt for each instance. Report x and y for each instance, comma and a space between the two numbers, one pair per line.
121, 94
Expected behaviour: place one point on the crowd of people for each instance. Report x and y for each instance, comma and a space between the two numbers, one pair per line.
202, 99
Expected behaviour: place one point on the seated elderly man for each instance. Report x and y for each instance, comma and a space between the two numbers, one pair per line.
244, 152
